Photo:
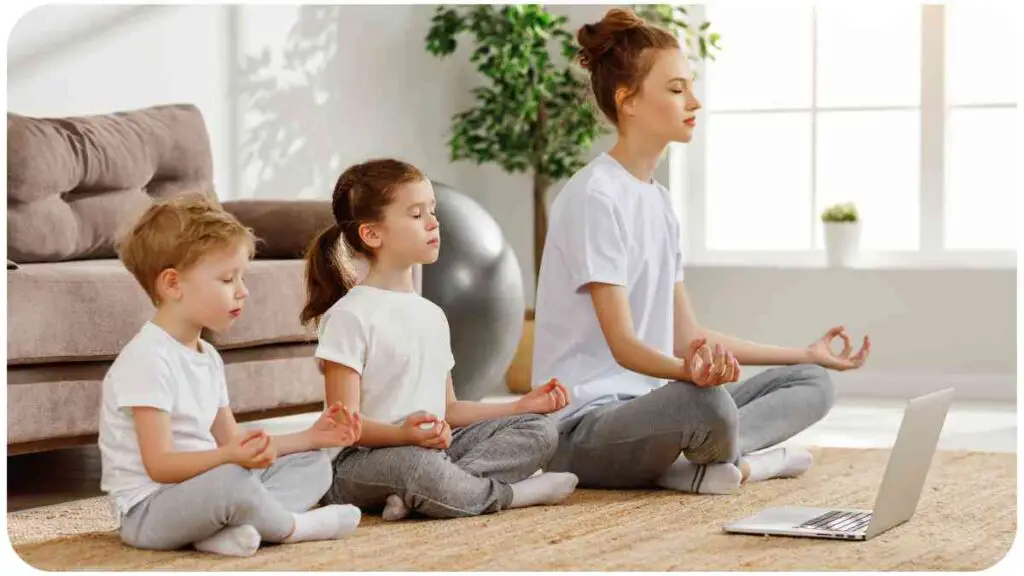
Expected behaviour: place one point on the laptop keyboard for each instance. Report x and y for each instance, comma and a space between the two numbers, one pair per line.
839, 521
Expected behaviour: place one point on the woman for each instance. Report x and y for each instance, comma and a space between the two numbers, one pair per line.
614, 322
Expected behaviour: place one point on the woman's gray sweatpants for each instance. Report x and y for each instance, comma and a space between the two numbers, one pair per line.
472, 477
177, 515
630, 443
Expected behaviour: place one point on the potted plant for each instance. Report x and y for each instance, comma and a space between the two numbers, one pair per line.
842, 233
533, 112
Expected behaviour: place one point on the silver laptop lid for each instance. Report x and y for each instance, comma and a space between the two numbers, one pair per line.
910, 460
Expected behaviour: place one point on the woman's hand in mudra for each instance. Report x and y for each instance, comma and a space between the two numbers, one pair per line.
821, 351
707, 367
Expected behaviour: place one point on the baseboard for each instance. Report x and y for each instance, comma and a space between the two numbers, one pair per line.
967, 386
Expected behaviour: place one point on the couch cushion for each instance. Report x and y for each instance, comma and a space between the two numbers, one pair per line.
88, 310
285, 228
70, 181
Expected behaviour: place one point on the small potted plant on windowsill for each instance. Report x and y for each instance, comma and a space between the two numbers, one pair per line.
842, 233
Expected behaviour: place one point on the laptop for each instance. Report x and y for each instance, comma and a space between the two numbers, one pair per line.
897, 498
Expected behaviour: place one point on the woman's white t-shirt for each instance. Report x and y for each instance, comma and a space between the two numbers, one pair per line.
609, 227
398, 342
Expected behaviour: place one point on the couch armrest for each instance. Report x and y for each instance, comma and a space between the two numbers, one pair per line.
285, 227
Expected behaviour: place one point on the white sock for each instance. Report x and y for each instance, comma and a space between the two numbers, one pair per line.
327, 523
685, 476
546, 488
781, 462
394, 508
231, 541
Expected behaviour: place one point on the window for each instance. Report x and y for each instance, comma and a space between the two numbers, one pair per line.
980, 207
807, 106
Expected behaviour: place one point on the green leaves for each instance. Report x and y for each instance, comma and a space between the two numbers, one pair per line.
530, 114
445, 25
843, 212
533, 111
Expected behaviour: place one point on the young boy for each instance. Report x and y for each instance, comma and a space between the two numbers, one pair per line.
178, 468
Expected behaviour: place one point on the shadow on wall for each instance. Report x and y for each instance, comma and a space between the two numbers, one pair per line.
285, 106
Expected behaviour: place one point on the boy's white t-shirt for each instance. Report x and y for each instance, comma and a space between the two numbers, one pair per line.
606, 226
399, 343
156, 370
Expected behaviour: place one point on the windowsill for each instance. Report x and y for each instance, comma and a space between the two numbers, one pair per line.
816, 260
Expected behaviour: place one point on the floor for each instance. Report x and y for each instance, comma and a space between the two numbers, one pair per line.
58, 476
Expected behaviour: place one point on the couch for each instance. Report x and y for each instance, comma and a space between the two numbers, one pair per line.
72, 184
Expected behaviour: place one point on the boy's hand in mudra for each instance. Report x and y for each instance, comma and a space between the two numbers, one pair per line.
545, 399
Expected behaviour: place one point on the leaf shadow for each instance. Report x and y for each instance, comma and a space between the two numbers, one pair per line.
285, 102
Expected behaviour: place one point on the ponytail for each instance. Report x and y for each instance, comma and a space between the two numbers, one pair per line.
329, 274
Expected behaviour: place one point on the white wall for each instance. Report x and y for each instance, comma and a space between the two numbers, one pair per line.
376, 93
80, 59
929, 328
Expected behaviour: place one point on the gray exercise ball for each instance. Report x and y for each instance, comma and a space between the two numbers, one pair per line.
479, 285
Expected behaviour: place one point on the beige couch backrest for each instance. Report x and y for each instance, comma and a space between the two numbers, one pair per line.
71, 182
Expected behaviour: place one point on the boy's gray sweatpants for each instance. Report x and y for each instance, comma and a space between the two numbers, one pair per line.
472, 477
177, 515
630, 443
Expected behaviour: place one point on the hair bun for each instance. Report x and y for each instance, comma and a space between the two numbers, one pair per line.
597, 39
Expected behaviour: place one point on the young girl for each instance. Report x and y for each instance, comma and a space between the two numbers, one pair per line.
614, 319
386, 349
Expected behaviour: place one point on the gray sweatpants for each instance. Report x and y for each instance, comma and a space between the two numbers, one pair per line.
472, 477
630, 444
229, 495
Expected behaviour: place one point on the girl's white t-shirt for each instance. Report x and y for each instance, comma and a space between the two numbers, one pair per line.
609, 227
398, 342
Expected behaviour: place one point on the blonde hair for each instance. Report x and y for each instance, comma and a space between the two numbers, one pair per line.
176, 234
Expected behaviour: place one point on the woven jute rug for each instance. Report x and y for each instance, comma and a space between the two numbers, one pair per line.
966, 521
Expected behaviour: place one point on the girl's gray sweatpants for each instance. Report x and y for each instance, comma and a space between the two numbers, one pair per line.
472, 477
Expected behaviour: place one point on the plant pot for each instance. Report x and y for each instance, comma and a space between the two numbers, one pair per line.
842, 242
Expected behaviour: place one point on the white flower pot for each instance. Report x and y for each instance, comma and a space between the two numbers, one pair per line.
842, 242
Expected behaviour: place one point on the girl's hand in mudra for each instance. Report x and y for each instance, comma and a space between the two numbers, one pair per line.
336, 427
